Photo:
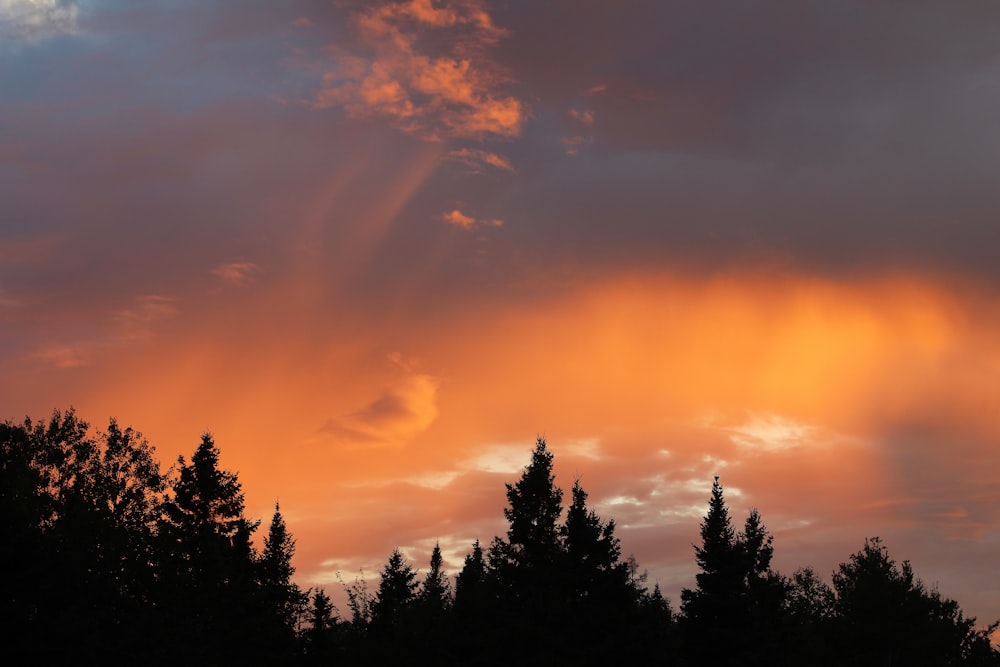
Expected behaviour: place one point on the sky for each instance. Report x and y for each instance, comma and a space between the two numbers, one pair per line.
378, 248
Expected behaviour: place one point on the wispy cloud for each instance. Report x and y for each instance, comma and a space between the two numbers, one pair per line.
475, 159
770, 433
459, 219
575, 142
584, 116
453, 92
130, 325
63, 356
36, 19
237, 273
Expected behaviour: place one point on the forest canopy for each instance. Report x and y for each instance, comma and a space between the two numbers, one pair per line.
111, 558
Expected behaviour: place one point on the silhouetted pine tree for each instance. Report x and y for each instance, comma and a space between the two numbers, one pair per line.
533, 547
435, 594
527, 566
209, 572
737, 595
475, 607
471, 584
602, 606
284, 601
320, 641
397, 592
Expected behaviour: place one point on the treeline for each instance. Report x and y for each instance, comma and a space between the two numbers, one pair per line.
107, 559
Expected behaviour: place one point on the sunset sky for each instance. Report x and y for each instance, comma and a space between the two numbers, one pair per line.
376, 248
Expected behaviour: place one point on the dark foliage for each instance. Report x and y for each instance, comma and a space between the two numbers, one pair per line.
110, 561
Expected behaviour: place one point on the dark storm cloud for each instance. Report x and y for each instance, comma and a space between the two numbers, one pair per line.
840, 135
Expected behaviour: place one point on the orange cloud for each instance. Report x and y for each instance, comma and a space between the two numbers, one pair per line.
459, 219
454, 94
400, 413
840, 409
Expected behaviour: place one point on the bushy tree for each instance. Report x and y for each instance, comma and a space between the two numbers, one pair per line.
83, 506
885, 615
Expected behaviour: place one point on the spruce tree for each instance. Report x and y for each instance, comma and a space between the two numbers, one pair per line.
322, 622
435, 594
535, 504
593, 555
209, 574
471, 582
397, 591
717, 607
283, 598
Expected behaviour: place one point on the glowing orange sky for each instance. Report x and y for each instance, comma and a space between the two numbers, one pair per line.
377, 248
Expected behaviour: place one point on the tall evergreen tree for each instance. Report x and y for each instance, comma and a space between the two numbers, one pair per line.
322, 622
397, 591
283, 598
601, 606
471, 582
209, 575
593, 555
535, 504
737, 594
719, 562
435, 594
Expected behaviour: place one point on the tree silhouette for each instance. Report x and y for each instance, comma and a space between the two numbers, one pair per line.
161, 568
737, 594
319, 640
527, 566
593, 555
283, 599
885, 615
209, 568
397, 591
535, 504
435, 594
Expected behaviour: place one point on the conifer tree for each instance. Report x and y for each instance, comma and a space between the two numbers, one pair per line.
209, 573
718, 606
593, 554
471, 582
283, 598
535, 506
435, 594
397, 591
322, 621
